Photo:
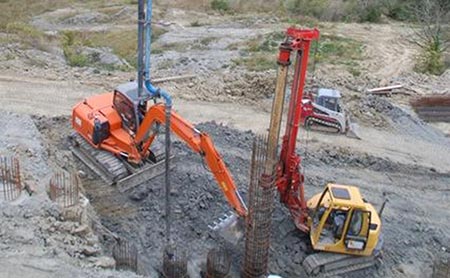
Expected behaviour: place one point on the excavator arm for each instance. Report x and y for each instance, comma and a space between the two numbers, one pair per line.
199, 142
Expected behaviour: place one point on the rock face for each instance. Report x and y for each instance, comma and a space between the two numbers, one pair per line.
53, 241
103, 56
104, 262
86, 18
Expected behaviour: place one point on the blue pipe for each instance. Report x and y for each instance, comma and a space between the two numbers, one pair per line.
158, 92
148, 36
154, 91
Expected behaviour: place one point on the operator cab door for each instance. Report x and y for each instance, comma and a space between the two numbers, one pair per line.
357, 233
339, 229
329, 223
127, 111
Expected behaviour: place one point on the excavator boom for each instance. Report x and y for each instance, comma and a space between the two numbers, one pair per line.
199, 142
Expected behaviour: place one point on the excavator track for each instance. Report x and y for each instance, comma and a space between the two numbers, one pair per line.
113, 170
321, 125
331, 264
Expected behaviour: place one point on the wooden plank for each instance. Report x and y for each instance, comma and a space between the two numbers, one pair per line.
390, 92
173, 78
387, 88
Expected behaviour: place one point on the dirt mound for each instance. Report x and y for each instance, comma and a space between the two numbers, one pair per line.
346, 157
248, 88
380, 112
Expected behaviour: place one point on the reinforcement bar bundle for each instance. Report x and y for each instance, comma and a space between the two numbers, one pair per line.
259, 220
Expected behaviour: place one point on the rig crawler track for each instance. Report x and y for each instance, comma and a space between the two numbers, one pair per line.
331, 264
113, 170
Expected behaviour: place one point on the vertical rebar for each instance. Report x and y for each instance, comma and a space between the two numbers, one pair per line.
217, 264
174, 262
167, 172
64, 188
125, 255
10, 182
259, 219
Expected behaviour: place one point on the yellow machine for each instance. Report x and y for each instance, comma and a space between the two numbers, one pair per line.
342, 222
339, 222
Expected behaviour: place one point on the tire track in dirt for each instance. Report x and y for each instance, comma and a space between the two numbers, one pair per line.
388, 52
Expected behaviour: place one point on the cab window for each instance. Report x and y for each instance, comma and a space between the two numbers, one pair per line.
358, 230
321, 208
126, 110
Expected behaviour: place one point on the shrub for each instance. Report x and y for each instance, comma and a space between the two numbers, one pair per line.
307, 7
220, 5
71, 50
371, 13
397, 10
430, 61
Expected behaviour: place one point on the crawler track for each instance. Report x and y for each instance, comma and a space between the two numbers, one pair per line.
321, 125
330, 264
112, 169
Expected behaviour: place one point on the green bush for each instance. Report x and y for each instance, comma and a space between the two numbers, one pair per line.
397, 10
307, 7
430, 61
372, 13
220, 5
26, 35
71, 50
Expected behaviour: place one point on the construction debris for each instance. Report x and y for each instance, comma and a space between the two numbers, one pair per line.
10, 183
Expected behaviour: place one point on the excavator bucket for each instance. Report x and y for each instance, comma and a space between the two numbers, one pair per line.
353, 131
230, 227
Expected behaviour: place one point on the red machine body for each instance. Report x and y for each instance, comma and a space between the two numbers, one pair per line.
289, 177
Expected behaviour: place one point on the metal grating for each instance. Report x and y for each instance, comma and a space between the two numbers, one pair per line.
217, 264
259, 220
64, 188
174, 262
10, 182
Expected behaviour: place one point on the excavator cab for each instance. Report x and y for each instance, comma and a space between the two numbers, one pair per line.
342, 222
126, 103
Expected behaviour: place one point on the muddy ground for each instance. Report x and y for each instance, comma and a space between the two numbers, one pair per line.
400, 157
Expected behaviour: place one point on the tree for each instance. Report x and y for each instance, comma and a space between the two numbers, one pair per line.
433, 35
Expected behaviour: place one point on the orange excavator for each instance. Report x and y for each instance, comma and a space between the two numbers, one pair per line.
115, 132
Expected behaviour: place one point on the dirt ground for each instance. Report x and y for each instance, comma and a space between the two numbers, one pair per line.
399, 157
